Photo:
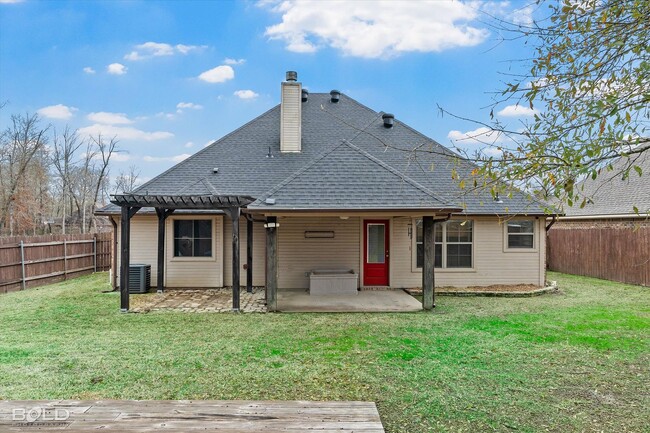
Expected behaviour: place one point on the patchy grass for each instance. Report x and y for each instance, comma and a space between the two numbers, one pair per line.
573, 361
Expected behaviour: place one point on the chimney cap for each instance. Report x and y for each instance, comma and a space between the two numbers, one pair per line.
388, 119
335, 95
292, 76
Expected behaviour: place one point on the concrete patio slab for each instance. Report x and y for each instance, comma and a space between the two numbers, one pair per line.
375, 301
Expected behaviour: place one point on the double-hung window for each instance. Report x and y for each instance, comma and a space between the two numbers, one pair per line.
521, 234
192, 238
454, 238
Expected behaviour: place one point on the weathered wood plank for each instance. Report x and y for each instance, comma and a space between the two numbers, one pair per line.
190, 415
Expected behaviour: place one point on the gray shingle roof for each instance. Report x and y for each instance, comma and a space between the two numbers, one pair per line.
610, 194
348, 161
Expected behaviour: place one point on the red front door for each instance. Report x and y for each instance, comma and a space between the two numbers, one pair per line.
375, 253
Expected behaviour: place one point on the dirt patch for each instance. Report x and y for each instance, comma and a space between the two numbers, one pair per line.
513, 290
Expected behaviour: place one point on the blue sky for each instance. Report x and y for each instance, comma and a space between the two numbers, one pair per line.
169, 77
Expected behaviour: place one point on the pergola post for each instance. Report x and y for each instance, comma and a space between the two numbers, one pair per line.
127, 213
249, 254
234, 216
429, 263
271, 263
162, 217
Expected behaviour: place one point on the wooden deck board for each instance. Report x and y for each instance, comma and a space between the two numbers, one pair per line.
188, 415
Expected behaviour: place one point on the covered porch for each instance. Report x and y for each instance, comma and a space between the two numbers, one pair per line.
277, 270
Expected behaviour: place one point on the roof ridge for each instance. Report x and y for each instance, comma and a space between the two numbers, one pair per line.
396, 172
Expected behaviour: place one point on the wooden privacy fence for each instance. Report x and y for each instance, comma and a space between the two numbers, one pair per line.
37, 260
611, 253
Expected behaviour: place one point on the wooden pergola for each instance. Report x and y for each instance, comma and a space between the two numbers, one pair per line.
232, 206
165, 205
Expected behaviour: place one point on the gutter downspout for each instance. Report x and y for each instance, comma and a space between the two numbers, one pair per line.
114, 258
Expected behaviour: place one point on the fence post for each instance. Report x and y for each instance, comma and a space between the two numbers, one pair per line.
65, 260
22, 265
95, 252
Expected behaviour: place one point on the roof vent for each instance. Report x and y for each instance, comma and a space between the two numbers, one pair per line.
497, 198
305, 95
215, 170
388, 120
292, 76
335, 95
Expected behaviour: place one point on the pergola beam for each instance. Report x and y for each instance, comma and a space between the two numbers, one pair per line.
127, 213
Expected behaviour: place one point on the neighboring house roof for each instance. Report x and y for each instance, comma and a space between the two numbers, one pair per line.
610, 194
349, 160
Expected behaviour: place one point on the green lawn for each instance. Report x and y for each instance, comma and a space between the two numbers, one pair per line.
569, 362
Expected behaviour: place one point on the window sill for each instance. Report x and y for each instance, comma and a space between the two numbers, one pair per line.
520, 250
447, 270
192, 259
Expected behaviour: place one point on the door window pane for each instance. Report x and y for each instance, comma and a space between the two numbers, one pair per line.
376, 243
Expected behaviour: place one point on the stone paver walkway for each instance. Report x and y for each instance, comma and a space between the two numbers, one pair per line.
199, 301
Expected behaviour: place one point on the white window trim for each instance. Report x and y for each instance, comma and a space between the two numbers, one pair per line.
444, 268
173, 258
535, 247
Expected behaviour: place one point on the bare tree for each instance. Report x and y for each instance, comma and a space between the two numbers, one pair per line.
19, 144
127, 180
63, 152
105, 150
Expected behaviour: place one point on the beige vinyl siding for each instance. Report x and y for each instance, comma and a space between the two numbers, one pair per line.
144, 236
492, 264
259, 252
298, 255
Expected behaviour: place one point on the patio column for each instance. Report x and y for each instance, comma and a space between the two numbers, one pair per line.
249, 254
235, 212
162, 217
127, 213
429, 263
271, 263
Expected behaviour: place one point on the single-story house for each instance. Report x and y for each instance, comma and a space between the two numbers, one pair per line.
607, 238
321, 182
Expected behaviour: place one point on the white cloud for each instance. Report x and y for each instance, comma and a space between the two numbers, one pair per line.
157, 49
229, 61
107, 118
120, 157
482, 135
126, 133
517, 110
193, 106
523, 16
59, 111
169, 116
218, 74
116, 69
188, 145
89, 70
176, 158
245, 94
209, 142
376, 29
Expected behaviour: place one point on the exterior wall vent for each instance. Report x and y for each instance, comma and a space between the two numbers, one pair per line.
305, 95
388, 120
291, 115
335, 95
